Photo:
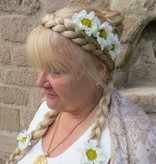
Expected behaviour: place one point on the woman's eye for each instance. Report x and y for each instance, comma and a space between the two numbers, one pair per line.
57, 72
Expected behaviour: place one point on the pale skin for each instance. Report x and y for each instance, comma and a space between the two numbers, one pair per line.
75, 98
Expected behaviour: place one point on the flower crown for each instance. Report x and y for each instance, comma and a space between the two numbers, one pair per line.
90, 24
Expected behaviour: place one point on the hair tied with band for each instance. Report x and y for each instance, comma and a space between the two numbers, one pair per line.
90, 24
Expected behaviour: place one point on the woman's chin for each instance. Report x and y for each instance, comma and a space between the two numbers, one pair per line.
55, 105
51, 105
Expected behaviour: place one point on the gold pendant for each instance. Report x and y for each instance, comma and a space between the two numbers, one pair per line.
41, 159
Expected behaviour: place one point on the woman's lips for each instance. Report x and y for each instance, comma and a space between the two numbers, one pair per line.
50, 95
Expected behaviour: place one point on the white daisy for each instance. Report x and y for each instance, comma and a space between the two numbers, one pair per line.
91, 154
114, 48
24, 140
91, 25
104, 35
87, 22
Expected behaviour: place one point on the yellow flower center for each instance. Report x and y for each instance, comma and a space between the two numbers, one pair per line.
103, 33
87, 23
24, 139
91, 154
113, 47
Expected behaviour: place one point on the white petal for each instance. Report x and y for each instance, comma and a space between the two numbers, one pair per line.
83, 12
91, 15
93, 143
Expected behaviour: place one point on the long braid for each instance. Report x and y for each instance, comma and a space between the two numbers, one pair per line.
40, 130
102, 112
115, 19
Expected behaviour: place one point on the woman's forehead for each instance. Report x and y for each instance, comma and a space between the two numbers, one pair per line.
50, 50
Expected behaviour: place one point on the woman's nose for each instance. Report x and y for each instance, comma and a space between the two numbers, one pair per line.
42, 80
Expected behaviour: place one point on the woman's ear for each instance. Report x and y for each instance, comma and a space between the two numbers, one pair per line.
102, 69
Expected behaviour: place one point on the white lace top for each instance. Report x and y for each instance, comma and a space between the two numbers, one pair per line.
71, 155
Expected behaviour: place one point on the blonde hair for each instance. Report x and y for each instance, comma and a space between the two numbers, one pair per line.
50, 46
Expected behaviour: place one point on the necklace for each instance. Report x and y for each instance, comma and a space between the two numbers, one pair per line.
42, 159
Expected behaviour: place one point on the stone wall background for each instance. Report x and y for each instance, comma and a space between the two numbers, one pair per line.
135, 77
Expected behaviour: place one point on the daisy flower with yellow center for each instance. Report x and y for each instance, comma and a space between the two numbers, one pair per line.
86, 22
91, 154
114, 48
24, 140
104, 35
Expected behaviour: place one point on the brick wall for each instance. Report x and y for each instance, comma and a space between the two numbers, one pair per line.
19, 97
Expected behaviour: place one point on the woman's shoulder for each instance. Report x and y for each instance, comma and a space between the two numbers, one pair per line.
41, 111
135, 127
127, 109
130, 114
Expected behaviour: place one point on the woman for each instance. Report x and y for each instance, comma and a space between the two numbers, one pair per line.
82, 120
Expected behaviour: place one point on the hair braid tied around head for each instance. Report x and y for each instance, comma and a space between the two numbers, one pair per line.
72, 32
